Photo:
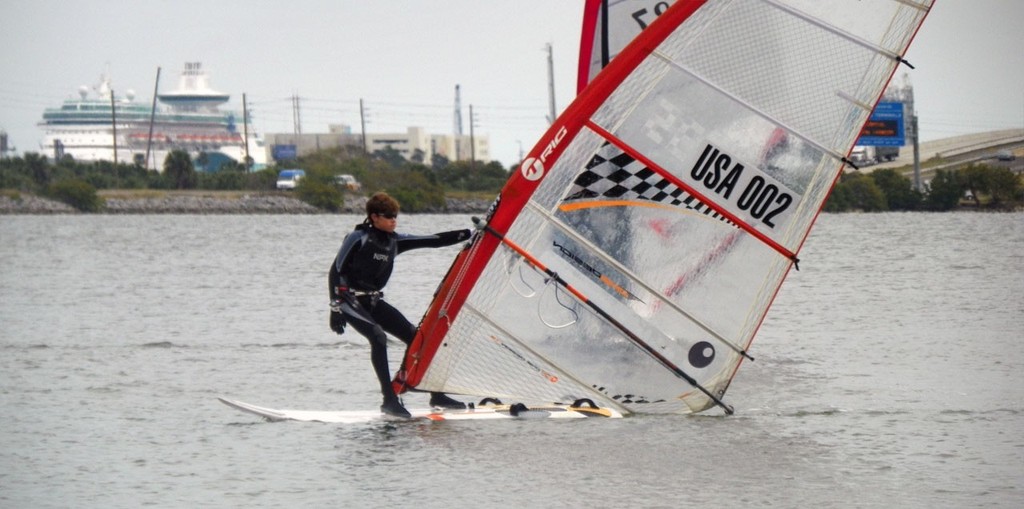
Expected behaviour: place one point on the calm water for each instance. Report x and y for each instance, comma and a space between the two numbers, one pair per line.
888, 374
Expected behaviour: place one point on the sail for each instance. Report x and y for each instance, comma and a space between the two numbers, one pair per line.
608, 26
632, 257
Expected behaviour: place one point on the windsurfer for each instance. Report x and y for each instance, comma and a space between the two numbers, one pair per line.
357, 278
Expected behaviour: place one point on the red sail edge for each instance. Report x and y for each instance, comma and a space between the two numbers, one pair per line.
591, 17
470, 263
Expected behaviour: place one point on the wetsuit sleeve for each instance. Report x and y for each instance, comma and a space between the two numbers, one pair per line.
407, 242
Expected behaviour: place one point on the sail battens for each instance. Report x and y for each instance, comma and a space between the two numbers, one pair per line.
921, 6
833, 29
683, 185
854, 101
636, 340
636, 278
753, 109
549, 371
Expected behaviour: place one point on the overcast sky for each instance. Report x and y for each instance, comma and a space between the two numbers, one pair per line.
404, 58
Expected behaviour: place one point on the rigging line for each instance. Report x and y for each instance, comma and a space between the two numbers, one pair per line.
618, 142
811, 141
603, 314
628, 273
561, 371
845, 35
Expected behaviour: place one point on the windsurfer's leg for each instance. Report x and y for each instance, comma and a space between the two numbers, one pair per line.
393, 321
373, 332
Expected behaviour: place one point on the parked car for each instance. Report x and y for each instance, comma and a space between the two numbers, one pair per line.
1004, 155
288, 179
348, 182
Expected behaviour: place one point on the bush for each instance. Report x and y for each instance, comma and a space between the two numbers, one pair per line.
856, 191
319, 194
77, 193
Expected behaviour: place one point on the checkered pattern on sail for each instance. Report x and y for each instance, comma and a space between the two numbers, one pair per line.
614, 174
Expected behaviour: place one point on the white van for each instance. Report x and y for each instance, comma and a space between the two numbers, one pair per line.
288, 179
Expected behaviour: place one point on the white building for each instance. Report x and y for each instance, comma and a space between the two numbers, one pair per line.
414, 141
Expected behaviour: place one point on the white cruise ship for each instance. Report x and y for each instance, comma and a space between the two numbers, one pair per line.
188, 118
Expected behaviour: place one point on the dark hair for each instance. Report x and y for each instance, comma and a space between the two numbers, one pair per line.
381, 203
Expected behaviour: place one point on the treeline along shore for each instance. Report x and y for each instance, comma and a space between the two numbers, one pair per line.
211, 202
338, 181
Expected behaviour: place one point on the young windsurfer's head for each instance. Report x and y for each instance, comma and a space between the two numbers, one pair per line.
382, 212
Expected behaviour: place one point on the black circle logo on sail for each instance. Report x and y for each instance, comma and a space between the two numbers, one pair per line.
702, 354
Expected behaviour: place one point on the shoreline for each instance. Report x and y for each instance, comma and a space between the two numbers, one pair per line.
205, 202
133, 202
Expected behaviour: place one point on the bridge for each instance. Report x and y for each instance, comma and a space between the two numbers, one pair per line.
959, 151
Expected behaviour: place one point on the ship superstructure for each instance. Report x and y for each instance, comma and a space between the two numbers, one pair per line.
188, 118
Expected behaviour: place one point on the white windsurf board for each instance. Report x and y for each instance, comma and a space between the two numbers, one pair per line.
433, 414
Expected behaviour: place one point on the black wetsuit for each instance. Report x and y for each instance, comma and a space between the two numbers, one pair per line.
356, 278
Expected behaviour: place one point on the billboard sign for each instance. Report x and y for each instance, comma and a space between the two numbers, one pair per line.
885, 126
283, 152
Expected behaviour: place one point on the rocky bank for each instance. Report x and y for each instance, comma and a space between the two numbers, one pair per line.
211, 203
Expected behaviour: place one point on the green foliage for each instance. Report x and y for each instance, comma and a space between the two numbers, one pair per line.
14, 174
179, 172
972, 178
1004, 187
856, 191
390, 156
944, 191
38, 170
320, 195
995, 187
463, 176
998, 185
263, 180
318, 190
77, 193
234, 177
414, 186
420, 187
898, 191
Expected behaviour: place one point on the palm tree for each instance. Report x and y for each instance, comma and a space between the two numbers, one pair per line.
179, 170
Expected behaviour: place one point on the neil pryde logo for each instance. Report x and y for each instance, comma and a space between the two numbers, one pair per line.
581, 263
380, 257
533, 167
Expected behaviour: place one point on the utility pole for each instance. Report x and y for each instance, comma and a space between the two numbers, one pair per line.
472, 140
113, 125
458, 123
245, 133
917, 152
152, 116
362, 123
296, 116
551, 83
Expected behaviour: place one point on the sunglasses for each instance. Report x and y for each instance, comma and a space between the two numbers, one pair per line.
388, 216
